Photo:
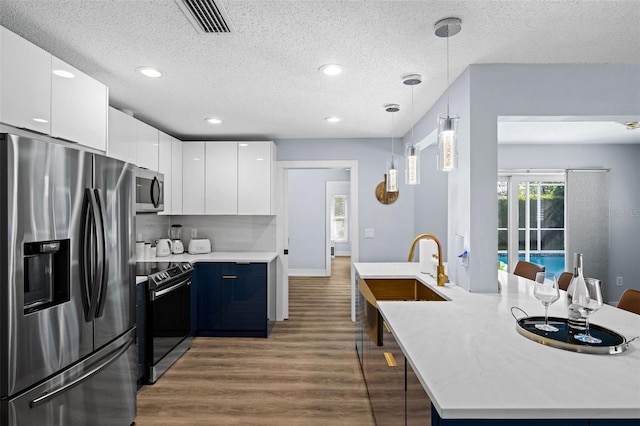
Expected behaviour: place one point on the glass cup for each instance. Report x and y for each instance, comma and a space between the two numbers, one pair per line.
546, 291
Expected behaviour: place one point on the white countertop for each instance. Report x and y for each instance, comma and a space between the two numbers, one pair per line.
473, 363
240, 256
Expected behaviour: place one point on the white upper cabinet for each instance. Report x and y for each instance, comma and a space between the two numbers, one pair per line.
170, 165
79, 106
193, 177
147, 146
256, 178
176, 176
122, 136
25, 83
228, 178
221, 178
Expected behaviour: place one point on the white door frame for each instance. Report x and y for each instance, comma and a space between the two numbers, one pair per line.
282, 225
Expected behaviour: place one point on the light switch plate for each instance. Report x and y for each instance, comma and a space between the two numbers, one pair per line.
369, 233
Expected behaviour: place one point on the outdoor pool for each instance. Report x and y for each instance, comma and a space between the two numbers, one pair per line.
552, 262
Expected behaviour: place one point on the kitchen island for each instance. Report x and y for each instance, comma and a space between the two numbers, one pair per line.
476, 368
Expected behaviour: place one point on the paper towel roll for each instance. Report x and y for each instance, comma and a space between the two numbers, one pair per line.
424, 255
140, 250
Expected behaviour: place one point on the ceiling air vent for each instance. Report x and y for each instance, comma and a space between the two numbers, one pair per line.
207, 16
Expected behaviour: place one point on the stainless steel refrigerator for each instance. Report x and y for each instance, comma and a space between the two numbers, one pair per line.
67, 286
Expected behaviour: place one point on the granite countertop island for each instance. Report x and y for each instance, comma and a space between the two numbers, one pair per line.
473, 364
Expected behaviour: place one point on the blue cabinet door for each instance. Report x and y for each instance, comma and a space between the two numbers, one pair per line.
244, 295
206, 302
229, 299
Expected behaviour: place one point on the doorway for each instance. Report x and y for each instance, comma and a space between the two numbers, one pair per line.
283, 221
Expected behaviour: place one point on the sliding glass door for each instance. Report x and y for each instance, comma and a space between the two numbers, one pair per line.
531, 220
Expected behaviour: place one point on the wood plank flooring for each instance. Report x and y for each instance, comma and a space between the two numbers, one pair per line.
305, 373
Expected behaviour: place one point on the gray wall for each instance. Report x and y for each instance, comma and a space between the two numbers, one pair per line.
492, 91
624, 196
393, 223
307, 217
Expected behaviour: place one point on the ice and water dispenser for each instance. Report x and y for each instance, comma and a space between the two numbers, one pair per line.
46, 274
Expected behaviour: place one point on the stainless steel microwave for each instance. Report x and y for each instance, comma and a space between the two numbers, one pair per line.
149, 191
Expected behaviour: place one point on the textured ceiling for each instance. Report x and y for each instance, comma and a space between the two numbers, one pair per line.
262, 80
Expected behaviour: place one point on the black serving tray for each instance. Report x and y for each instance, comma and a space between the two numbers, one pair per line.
612, 342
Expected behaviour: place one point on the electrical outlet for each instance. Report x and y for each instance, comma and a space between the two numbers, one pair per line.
194, 233
369, 233
619, 281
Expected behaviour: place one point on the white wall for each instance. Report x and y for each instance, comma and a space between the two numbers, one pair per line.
307, 219
393, 223
624, 196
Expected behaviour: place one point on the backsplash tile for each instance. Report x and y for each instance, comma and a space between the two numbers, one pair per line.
226, 233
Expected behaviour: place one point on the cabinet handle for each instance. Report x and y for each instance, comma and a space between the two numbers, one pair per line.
229, 277
391, 361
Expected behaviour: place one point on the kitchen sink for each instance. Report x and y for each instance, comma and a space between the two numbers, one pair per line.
373, 290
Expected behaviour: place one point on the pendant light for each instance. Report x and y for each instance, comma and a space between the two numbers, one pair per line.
392, 166
412, 153
447, 125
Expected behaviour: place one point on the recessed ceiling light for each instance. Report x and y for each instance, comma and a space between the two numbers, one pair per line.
40, 120
331, 69
63, 73
149, 72
212, 120
332, 119
244, 144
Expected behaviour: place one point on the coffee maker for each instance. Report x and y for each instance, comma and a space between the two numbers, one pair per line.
174, 234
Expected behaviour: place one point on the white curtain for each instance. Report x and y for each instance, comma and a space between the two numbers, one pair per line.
587, 222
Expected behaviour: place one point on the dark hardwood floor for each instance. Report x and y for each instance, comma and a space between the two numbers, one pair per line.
305, 373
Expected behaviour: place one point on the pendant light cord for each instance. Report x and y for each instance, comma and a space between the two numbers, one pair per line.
411, 114
392, 139
447, 71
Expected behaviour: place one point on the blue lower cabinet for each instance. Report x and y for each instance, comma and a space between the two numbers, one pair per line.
230, 300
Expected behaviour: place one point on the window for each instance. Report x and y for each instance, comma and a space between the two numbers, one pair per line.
531, 220
339, 219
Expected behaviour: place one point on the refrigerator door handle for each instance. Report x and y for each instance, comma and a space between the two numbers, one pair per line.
87, 263
103, 277
98, 247
110, 357
155, 199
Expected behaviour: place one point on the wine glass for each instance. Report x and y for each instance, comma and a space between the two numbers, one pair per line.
586, 306
546, 290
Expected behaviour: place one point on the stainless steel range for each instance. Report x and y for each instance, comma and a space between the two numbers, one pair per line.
168, 319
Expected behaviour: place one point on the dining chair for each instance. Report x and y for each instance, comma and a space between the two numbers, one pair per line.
528, 269
564, 280
630, 301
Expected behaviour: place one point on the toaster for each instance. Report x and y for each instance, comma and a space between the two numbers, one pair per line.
199, 246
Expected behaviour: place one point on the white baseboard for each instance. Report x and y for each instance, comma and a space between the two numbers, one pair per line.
343, 253
307, 273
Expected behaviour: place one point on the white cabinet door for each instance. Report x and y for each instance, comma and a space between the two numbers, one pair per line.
25, 83
193, 177
79, 107
176, 176
221, 176
165, 167
122, 136
147, 146
254, 178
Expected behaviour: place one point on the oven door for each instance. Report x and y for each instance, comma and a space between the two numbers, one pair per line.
149, 191
168, 325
